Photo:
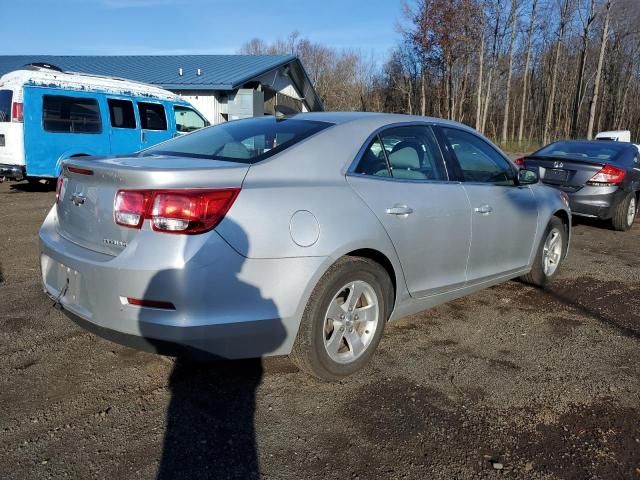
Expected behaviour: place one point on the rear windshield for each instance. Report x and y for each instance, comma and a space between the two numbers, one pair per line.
243, 141
5, 105
583, 150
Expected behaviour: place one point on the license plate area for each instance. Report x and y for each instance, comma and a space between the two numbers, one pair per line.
61, 282
556, 175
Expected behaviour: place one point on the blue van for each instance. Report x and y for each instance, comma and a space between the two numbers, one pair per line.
47, 115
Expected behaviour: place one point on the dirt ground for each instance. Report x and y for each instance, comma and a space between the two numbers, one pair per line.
512, 381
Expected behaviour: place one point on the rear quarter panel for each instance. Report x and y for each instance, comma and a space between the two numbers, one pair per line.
306, 182
550, 203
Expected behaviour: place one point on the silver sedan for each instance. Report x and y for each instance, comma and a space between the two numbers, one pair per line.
297, 236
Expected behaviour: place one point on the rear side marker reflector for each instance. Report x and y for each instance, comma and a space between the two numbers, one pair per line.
80, 171
188, 211
150, 303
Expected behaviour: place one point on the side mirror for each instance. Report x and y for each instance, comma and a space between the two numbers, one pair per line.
527, 177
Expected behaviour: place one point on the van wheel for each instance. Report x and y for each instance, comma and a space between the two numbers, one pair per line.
344, 319
550, 254
625, 213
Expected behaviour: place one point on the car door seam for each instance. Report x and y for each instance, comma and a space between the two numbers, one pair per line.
466, 270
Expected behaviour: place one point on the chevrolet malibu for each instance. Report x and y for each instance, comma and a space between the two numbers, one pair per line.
301, 235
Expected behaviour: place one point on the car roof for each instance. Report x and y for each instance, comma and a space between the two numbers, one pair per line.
373, 118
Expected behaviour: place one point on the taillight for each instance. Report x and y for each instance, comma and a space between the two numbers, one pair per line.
520, 162
190, 211
130, 207
174, 211
59, 185
17, 112
607, 175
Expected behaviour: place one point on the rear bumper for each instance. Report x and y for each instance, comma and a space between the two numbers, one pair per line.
14, 172
226, 305
596, 202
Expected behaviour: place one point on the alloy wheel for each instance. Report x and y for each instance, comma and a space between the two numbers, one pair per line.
552, 252
351, 321
631, 212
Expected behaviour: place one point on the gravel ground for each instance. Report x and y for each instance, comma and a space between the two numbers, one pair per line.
510, 381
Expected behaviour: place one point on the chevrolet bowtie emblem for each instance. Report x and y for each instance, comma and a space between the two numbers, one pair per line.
78, 199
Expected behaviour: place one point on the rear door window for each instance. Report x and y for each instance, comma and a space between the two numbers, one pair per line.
409, 153
187, 119
63, 114
121, 113
5, 105
152, 116
243, 141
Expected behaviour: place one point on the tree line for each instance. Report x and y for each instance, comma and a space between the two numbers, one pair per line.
523, 72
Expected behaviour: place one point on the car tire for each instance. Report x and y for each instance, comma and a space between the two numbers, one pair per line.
624, 213
326, 345
550, 254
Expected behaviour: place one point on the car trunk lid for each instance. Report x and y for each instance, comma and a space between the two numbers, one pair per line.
86, 198
565, 173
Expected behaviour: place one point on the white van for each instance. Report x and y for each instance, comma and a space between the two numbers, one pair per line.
615, 135
47, 115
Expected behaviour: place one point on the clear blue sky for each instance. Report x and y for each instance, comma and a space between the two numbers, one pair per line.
111, 27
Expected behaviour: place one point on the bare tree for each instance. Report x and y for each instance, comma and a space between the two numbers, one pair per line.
564, 12
591, 16
494, 60
575, 68
596, 85
514, 20
480, 73
532, 20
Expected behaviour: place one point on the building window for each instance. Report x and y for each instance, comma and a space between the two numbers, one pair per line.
152, 116
62, 114
121, 113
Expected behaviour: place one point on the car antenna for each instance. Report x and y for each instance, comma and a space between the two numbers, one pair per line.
282, 111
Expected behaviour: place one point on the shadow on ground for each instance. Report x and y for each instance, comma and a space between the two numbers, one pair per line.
210, 425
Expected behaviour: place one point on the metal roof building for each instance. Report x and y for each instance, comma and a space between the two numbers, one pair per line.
222, 87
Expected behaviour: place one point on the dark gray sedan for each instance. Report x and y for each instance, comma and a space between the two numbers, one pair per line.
602, 178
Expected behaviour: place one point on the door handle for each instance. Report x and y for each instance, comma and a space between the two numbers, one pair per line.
483, 209
400, 210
